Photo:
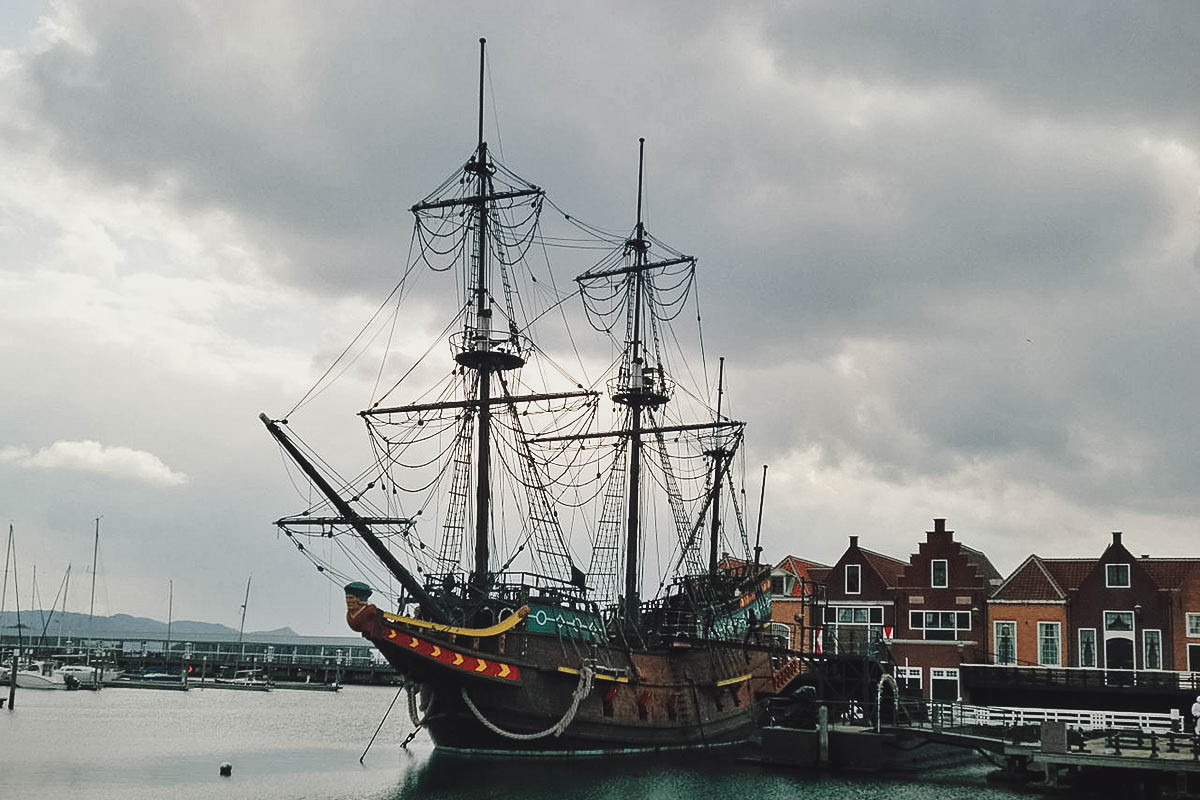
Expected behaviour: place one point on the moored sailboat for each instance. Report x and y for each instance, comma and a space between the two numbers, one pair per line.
550, 658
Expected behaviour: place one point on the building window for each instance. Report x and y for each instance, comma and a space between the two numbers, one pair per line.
853, 579
1049, 644
1121, 621
1006, 642
939, 577
782, 633
940, 625
1087, 647
943, 684
909, 680
1193, 624
781, 585
1151, 648
1116, 576
853, 629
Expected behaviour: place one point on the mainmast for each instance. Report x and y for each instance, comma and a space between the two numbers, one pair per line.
639, 392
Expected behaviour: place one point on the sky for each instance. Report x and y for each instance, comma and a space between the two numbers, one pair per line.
950, 252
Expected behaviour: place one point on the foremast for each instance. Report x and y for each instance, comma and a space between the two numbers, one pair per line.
478, 350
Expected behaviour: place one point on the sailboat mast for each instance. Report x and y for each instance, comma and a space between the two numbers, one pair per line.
483, 326
171, 609
245, 602
718, 453
95, 553
7, 558
66, 590
636, 375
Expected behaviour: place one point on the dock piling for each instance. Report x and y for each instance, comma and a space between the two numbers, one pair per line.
823, 735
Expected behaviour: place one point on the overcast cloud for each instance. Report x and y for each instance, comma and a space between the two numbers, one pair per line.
950, 251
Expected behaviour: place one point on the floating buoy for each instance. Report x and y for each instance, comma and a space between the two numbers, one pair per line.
226, 769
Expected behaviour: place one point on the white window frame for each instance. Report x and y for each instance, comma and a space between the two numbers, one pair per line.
1193, 625
1110, 632
782, 630
924, 626
996, 641
858, 570
946, 673
1095, 648
1108, 583
909, 673
1057, 626
946, 573
1146, 648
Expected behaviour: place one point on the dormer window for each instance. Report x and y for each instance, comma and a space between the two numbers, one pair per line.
1116, 576
939, 573
853, 579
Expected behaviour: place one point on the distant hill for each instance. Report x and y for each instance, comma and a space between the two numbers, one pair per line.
118, 626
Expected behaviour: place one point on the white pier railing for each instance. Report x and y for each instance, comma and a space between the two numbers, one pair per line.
946, 715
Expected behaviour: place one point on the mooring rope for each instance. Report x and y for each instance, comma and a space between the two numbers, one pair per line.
582, 689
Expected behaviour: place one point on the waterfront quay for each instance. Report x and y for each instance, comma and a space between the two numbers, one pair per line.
316, 659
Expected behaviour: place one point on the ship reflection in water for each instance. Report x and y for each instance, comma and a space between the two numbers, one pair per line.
126, 744
717, 776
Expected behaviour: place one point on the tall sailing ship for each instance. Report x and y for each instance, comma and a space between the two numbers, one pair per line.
506, 641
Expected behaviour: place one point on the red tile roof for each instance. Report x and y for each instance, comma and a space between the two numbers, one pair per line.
798, 566
1068, 573
1169, 573
1030, 581
982, 563
1052, 578
890, 569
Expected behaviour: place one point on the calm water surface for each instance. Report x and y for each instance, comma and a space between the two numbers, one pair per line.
127, 744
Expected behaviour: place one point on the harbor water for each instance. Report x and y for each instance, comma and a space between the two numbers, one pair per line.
128, 744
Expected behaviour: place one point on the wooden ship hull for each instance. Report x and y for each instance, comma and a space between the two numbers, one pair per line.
515, 691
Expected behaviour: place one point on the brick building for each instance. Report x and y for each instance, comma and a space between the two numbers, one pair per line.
941, 606
796, 587
1117, 631
860, 601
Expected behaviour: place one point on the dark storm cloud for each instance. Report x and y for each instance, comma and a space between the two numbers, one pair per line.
1110, 62
942, 244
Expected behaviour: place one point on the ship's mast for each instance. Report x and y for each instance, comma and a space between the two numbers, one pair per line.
483, 330
480, 352
634, 400
718, 454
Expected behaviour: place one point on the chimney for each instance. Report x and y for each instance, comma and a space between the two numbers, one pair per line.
1116, 538
939, 533
854, 541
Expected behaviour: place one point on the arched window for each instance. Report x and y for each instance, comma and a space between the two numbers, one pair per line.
782, 632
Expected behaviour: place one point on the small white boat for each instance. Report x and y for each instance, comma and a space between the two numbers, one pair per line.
87, 675
39, 675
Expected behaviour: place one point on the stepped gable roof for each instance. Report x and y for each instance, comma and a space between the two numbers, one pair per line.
1030, 581
890, 569
981, 562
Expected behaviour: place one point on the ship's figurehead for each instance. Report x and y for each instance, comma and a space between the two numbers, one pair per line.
360, 615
